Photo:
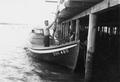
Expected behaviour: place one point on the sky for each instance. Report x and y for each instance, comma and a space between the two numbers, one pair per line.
26, 11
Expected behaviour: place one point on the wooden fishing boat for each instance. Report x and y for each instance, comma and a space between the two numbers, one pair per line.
64, 54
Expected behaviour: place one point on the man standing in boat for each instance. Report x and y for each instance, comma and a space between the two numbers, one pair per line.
47, 33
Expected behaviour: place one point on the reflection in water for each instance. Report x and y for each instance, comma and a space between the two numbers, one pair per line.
16, 65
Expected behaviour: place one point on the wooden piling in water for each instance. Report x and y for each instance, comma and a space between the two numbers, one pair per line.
90, 46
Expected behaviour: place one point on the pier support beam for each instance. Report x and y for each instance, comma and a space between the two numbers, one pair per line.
90, 46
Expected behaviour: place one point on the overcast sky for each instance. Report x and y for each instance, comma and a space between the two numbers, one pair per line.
26, 11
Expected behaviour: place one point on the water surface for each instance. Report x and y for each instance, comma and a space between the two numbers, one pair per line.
17, 65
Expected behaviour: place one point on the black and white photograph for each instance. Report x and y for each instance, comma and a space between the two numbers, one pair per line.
59, 40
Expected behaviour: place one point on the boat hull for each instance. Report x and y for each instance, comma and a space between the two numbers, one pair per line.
65, 55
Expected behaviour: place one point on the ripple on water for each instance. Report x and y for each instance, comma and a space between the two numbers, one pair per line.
16, 65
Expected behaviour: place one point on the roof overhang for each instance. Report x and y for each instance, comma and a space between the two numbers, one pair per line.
74, 7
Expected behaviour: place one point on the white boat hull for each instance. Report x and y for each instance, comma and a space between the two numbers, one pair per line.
65, 54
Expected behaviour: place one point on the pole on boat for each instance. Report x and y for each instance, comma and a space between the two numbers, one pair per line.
90, 46
76, 39
77, 30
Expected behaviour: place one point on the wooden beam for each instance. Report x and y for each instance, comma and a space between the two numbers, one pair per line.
90, 46
99, 7
114, 2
